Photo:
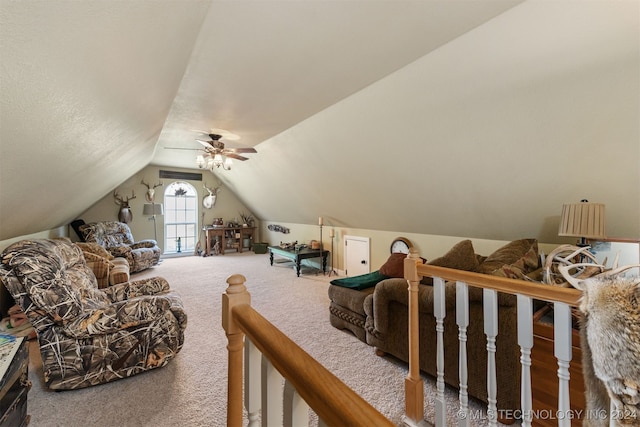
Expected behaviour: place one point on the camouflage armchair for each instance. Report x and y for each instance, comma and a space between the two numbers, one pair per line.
116, 237
89, 336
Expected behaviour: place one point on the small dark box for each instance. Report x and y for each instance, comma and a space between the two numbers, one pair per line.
260, 248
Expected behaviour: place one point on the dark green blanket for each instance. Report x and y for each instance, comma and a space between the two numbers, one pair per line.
361, 282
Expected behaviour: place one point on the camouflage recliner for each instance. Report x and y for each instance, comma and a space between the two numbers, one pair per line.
89, 336
116, 238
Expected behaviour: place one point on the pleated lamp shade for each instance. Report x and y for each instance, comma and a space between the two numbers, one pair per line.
582, 219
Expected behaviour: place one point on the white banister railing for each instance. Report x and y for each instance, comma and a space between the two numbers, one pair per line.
525, 341
252, 375
281, 381
490, 311
462, 320
296, 410
272, 392
562, 351
525, 292
271, 356
439, 310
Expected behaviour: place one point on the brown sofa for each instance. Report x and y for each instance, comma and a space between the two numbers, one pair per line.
386, 319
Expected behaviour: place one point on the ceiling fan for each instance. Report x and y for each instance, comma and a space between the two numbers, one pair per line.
216, 155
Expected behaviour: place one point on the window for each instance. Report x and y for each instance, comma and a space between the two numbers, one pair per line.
180, 217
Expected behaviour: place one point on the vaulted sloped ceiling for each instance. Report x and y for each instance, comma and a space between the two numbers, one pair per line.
485, 137
85, 90
496, 111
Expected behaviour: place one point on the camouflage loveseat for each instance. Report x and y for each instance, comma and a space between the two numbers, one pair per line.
116, 238
89, 336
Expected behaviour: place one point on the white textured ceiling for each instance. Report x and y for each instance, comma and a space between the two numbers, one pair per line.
85, 91
260, 67
91, 92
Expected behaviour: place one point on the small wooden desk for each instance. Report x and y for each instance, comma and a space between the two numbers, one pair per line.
297, 256
224, 233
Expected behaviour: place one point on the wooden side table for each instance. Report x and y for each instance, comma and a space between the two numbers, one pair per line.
14, 385
544, 372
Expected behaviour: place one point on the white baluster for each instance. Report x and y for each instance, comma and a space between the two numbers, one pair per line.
525, 340
612, 410
439, 312
490, 305
272, 389
252, 376
296, 410
562, 350
462, 320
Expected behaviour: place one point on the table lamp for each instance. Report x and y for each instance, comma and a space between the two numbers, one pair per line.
584, 220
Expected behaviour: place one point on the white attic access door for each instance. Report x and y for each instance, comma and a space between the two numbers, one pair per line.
356, 255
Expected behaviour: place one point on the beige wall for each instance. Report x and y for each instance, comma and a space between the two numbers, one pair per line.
429, 246
227, 206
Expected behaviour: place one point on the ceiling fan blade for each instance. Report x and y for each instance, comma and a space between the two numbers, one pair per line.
182, 148
207, 144
242, 150
235, 156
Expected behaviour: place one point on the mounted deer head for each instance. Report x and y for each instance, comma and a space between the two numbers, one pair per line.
124, 215
210, 200
213, 191
151, 191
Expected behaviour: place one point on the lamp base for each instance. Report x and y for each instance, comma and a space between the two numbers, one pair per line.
582, 243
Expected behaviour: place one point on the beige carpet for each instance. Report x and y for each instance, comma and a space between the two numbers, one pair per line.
191, 390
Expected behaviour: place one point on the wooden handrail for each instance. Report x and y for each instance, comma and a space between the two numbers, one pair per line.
331, 399
328, 396
544, 292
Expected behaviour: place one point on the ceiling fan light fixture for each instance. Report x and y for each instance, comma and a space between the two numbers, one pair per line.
216, 155
229, 136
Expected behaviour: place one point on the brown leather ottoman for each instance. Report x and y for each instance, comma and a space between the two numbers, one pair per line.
346, 310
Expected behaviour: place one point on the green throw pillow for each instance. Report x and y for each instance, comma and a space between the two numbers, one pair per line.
361, 282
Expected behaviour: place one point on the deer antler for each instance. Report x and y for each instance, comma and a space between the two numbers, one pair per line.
120, 201
557, 258
576, 281
214, 190
616, 271
149, 186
